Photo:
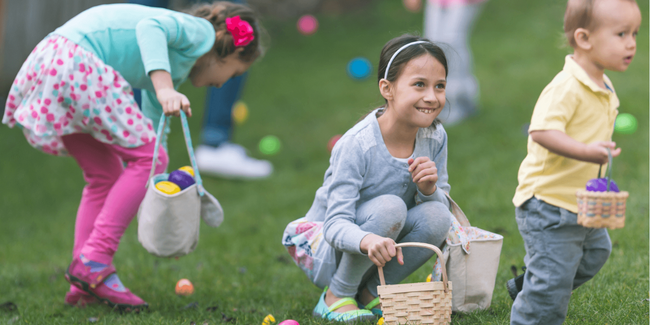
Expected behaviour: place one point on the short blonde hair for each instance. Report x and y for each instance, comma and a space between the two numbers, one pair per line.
579, 14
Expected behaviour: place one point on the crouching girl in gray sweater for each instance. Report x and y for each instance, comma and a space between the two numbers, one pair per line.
386, 183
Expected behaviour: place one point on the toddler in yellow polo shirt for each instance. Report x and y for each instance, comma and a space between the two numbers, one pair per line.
570, 132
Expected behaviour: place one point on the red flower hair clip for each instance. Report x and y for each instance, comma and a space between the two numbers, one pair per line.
241, 30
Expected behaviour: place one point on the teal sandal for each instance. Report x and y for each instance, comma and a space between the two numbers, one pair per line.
370, 305
323, 311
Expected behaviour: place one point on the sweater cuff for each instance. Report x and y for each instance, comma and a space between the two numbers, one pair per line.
438, 195
157, 65
353, 242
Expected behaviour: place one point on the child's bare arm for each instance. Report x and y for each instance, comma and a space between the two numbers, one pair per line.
560, 143
170, 100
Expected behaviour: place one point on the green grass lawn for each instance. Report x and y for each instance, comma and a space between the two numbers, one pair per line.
300, 93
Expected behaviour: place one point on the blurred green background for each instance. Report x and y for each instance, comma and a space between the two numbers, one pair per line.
300, 93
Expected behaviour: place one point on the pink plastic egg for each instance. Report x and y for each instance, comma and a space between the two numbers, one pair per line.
289, 322
307, 24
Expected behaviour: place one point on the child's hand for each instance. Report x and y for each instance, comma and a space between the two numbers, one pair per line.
172, 102
380, 250
597, 152
412, 5
425, 174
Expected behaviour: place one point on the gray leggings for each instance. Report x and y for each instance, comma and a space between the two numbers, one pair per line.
388, 216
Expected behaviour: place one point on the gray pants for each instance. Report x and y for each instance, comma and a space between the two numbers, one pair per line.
386, 216
560, 256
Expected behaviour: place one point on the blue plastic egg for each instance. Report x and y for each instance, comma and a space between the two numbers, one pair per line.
359, 68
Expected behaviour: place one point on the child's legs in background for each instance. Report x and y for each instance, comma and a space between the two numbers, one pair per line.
435, 21
219, 102
428, 223
217, 118
556, 247
452, 25
122, 199
384, 216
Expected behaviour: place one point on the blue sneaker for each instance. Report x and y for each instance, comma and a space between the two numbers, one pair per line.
322, 311
370, 306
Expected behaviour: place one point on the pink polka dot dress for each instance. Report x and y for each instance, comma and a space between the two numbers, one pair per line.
63, 89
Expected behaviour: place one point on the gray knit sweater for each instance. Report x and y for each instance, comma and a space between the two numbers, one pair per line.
361, 168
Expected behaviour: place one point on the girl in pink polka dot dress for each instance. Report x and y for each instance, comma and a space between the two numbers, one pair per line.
63, 89
73, 97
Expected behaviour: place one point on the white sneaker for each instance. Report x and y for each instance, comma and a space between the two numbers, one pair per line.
231, 161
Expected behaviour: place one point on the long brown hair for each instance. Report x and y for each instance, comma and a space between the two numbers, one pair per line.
216, 13
407, 54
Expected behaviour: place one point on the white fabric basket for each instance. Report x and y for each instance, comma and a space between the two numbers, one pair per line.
472, 260
168, 225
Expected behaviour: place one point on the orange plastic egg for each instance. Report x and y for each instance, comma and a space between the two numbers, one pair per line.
184, 287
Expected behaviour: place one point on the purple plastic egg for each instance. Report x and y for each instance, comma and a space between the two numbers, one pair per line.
181, 178
600, 185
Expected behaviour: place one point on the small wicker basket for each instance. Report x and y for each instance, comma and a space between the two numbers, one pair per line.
416, 303
602, 209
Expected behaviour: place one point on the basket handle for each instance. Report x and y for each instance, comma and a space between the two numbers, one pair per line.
188, 143
609, 168
457, 212
380, 269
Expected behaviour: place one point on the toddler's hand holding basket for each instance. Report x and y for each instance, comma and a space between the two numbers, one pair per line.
602, 209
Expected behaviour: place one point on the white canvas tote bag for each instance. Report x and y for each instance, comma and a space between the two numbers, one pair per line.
472, 260
168, 225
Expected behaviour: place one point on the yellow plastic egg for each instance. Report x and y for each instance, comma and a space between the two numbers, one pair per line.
268, 320
188, 169
380, 321
168, 187
429, 278
240, 112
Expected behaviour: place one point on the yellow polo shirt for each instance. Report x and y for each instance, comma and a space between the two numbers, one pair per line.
574, 104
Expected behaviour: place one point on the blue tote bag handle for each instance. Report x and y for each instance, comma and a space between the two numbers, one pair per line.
188, 143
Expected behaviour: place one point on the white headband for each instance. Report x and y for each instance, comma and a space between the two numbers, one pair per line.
396, 53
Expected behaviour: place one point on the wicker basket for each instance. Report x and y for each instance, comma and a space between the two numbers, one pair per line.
602, 209
416, 303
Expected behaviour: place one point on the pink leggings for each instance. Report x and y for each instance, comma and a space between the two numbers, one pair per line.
113, 193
